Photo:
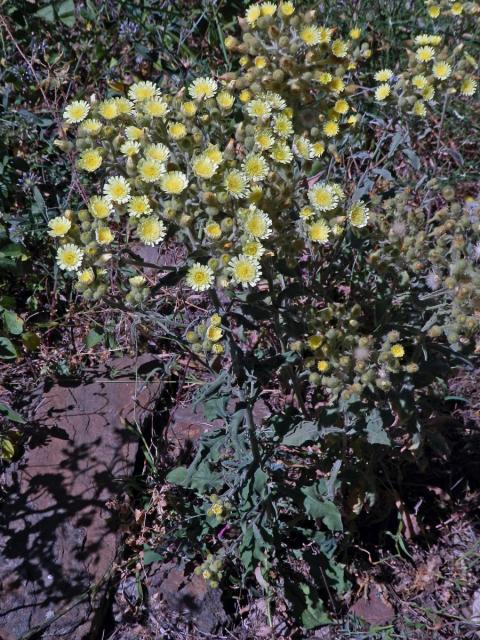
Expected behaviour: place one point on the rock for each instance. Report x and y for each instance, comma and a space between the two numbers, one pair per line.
57, 537
373, 607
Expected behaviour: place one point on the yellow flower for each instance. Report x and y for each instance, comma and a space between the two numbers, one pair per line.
203, 167
425, 54
281, 153
245, 96
218, 349
306, 213
213, 153
108, 109
258, 108
142, 91
468, 87
255, 167
442, 70
383, 75
188, 108
91, 126
213, 230
117, 189
456, 8
103, 235
257, 223
150, 170
382, 92
268, 8
203, 88
341, 106
358, 215
124, 106
355, 33
282, 125
225, 100
130, 148
337, 85
324, 77
69, 257
331, 128
59, 226
199, 277
323, 366
318, 149
76, 111
216, 320
90, 160
151, 231
252, 14
319, 232
253, 249
397, 350
325, 35
419, 109
314, 342
287, 9
87, 276
433, 11
339, 48
158, 152
156, 108
174, 182
177, 130
245, 270
134, 133
310, 35
322, 197
100, 207
235, 183
139, 206
303, 148
419, 81
264, 139
260, 62
428, 93
214, 333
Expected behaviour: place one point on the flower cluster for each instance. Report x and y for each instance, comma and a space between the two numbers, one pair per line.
218, 508
206, 337
210, 570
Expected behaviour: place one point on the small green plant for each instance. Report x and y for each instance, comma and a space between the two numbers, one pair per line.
343, 304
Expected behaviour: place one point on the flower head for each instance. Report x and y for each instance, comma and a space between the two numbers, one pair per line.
158, 152
59, 226
150, 170
358, 215
383, 75
442, 70
173, 182
203, 88
151, 231
258, 108
103, 235
117, 189
425, 54
199, 277
322, 197
245, 271
76, 111
319, 232
100, 207
257, 223
139, 206
397, 350
142, 91
69, 257
468, 87
203, 167
255, 167
235, 183
252, 14
382, 92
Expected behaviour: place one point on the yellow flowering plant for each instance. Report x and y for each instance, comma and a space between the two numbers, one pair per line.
351, 299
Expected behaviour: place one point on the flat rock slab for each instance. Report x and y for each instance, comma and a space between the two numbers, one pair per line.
57, 538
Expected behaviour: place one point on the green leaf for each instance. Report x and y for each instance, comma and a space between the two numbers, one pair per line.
376, 434
46, 13
93, 338
177, 476
66, 12
150, 556
31, 340
302, 433
13, 322
320, 509
10, 414
7, 349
